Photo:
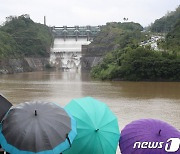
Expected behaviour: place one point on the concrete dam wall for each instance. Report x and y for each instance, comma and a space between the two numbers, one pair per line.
67, 54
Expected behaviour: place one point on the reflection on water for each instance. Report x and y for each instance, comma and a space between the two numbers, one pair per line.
128, 100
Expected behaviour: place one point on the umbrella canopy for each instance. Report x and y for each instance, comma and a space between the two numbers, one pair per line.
5, 105
147, 136
97, 127
37, 127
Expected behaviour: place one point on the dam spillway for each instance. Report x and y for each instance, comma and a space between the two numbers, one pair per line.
66, 54
66, 51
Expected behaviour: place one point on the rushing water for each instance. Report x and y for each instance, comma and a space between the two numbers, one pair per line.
128, 100
67, 53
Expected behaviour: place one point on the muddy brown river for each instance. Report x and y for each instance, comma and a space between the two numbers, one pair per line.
128, 100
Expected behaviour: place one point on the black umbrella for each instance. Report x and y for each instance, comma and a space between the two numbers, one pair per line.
37, 127
5, 105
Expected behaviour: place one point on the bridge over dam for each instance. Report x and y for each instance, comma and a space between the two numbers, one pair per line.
66, 51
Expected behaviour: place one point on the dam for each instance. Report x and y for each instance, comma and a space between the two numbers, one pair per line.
66, 51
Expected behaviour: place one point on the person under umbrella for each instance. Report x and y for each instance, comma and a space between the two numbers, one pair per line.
149, 136
97, 127
37, 127
5, 105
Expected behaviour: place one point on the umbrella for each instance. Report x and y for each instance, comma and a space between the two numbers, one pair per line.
5, 105
147, 136
37, 127
97, 127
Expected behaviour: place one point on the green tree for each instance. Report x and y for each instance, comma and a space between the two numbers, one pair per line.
32, 39
166, 23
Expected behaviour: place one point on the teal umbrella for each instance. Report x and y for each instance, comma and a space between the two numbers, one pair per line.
97, 127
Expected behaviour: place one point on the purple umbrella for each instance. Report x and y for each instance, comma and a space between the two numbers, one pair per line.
149, 136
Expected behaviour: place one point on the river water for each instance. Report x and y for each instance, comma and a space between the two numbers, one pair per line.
128, 100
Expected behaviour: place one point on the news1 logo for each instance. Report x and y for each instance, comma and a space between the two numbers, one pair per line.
172, 145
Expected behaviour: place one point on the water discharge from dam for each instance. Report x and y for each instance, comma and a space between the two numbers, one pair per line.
66, 53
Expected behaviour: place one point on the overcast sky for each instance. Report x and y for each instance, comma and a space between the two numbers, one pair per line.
88, 12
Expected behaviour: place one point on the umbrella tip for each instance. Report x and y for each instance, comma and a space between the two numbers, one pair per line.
35, 113
96, 130
160, 132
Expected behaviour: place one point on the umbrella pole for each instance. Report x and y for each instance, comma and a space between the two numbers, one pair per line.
68, 139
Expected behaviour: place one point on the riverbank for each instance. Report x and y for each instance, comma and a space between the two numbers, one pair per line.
10, 66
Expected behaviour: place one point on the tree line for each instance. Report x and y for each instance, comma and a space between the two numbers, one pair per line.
129, 61
22, 37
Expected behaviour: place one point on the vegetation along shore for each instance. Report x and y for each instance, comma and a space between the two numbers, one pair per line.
130, 56
129, 51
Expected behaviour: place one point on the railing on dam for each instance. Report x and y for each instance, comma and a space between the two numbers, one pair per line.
77, 31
